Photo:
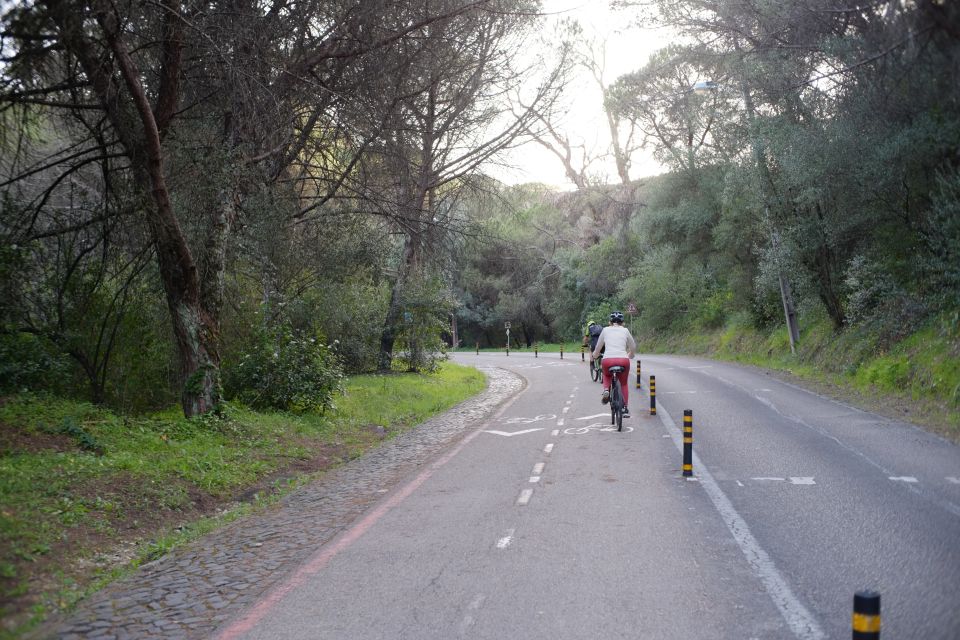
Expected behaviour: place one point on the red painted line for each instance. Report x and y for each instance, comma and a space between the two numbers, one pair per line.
319, 560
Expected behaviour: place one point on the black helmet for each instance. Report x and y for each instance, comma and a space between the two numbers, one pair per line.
617, 316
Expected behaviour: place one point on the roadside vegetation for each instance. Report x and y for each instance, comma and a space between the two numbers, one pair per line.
87, 494
915, 378
245, 237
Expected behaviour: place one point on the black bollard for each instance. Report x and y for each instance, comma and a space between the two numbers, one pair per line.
653, 395
866, 615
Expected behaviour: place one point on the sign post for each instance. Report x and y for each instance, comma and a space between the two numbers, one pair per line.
506, 325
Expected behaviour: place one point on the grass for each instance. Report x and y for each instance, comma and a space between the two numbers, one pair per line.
86, 495
552, 347
914, 377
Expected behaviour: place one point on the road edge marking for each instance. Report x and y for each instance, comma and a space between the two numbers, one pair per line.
248, 619
800, 621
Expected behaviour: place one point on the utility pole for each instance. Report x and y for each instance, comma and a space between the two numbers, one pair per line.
453, 330
766, 187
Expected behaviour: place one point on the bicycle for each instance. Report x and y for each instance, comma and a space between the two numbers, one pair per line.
596, 369
616, 400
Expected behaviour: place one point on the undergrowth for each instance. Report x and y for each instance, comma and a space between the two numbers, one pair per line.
78, 481
917, 378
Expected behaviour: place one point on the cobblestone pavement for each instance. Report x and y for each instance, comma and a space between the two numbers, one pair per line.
191, 591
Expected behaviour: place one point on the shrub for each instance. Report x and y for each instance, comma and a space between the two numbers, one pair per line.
27, 362
286, 371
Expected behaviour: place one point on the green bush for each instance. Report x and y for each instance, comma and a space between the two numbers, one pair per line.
285, 370
27, 362
425, 306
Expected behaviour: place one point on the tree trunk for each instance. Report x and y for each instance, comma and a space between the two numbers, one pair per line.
388, 335
139, 129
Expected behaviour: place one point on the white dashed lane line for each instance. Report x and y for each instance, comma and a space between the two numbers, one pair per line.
524, 498
505, 541
538, 468
548, 448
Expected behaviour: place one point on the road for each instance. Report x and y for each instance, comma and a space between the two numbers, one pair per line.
542, 524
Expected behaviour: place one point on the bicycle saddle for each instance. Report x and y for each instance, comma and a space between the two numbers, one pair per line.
615, 369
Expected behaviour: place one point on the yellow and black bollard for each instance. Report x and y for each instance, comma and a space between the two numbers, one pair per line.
536, 354
638, 373
653, 395
866, 615
687, 443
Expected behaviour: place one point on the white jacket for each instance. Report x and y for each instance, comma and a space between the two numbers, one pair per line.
618, 341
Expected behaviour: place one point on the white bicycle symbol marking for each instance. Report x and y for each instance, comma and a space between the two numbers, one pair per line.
529, 420
597, 426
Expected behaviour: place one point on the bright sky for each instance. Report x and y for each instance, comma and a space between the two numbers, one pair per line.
628, 48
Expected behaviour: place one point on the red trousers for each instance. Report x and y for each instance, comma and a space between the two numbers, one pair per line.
624, 375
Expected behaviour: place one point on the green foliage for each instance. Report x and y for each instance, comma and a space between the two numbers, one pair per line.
943, 240
83, 438
27, 362
155, 472
425, 315
286, 370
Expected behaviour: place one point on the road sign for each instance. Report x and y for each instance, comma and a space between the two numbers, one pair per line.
632, 309
506, 325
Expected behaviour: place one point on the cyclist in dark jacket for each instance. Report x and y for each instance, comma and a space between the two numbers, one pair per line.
592, 335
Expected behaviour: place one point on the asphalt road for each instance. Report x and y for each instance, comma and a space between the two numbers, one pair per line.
545, 524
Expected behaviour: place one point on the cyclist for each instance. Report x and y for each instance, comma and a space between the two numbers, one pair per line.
620, 348
592, 335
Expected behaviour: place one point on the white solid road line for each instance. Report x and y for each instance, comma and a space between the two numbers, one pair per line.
909, 479
953, 480
801, 622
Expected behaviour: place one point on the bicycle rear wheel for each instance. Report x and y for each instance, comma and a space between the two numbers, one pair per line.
595, 370
616, 403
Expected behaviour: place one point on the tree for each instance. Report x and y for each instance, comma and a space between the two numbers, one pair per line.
449, 119
207, 106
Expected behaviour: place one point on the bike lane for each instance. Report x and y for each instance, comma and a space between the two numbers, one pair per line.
539, 525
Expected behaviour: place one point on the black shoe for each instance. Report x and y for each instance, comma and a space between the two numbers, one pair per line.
626, 412
605, 398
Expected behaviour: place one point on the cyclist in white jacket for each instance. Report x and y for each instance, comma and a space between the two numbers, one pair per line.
620, 350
